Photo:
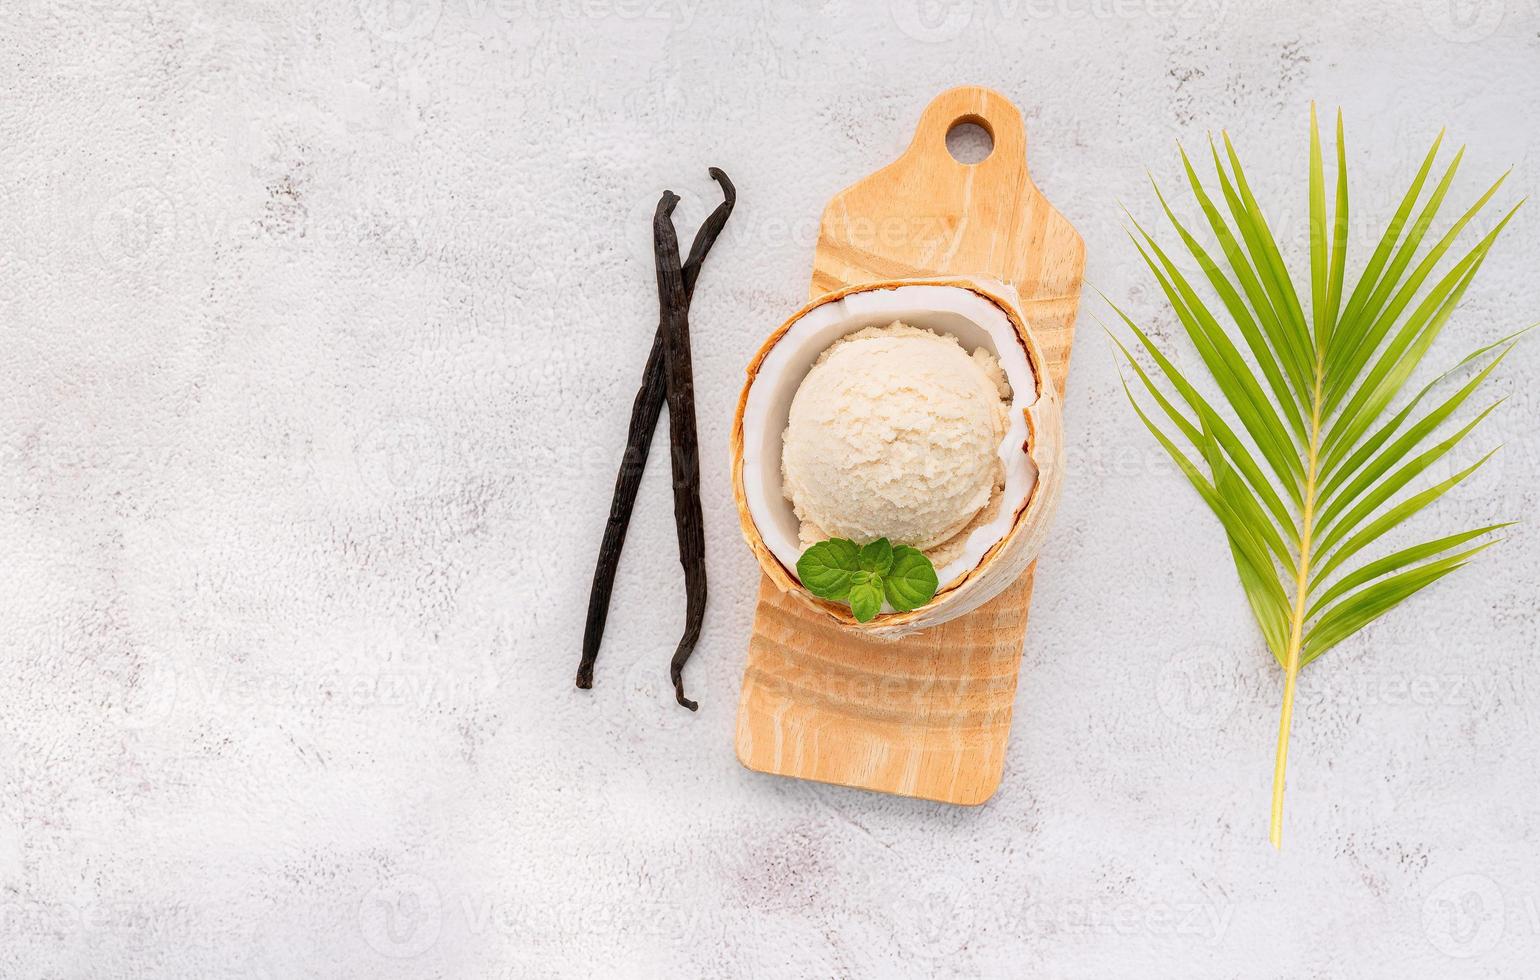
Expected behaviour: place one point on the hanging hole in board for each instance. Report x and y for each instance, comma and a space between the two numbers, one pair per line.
970, 140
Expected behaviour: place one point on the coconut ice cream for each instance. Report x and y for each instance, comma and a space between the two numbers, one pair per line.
895, 432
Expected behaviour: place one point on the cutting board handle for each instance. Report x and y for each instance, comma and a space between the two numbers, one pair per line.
1006, 163
929, 214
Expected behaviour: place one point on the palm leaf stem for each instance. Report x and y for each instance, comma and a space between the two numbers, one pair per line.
1298, 615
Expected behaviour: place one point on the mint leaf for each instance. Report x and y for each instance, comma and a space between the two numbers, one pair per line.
841, 570
877, 557
827, 568
865, 601
911, 581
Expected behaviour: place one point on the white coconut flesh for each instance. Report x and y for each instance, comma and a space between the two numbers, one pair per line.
961, 313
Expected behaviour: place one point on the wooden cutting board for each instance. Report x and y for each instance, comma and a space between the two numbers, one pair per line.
927, 715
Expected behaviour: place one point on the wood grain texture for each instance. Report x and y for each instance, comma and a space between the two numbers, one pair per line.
929, 714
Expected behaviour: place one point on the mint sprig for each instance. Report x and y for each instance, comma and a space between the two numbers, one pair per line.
843, 571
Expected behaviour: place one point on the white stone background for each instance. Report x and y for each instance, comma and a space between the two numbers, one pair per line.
321, 324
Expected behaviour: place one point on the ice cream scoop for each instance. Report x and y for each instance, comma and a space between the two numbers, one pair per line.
895, 432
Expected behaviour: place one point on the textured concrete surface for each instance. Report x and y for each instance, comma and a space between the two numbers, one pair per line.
320, 326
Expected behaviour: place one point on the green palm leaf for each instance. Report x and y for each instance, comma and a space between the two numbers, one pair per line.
1297, 459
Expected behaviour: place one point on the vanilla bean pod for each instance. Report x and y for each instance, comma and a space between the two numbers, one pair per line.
645, 411
684, 449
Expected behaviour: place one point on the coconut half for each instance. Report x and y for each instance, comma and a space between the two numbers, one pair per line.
979, 313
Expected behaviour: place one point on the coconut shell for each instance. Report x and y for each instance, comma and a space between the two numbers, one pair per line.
1003, 563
